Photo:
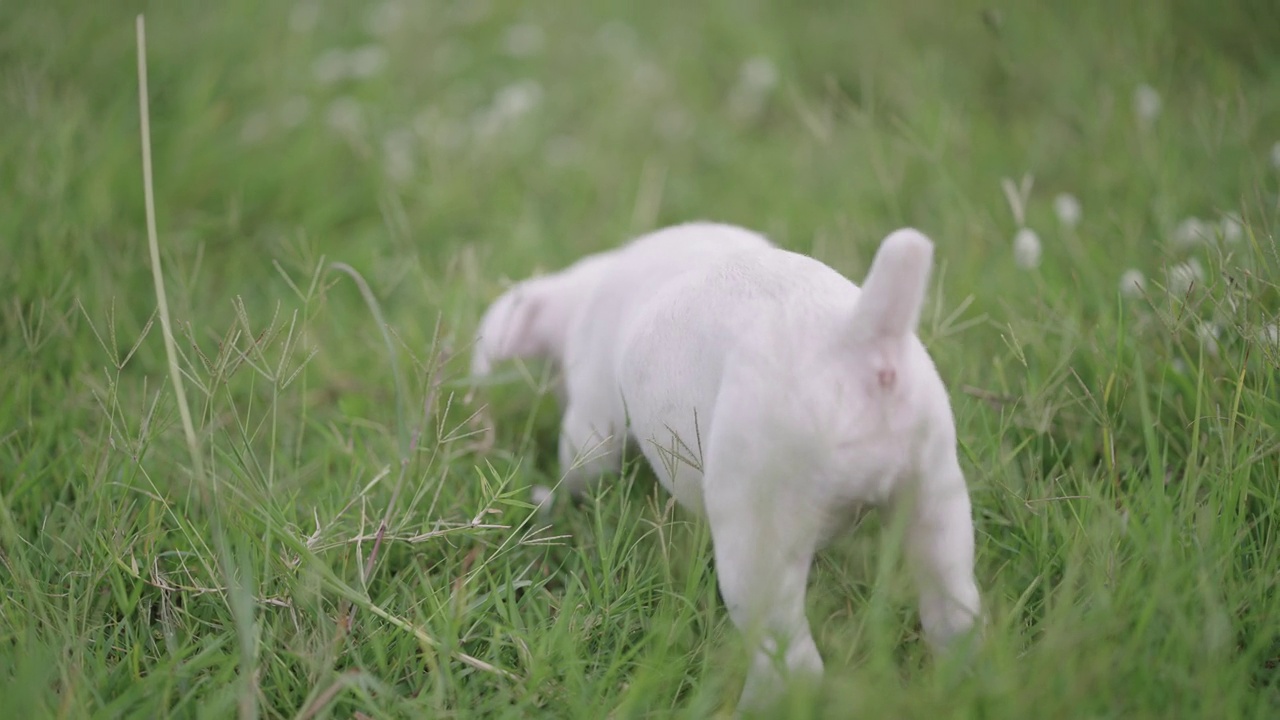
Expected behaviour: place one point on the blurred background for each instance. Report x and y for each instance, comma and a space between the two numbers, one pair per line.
398, 134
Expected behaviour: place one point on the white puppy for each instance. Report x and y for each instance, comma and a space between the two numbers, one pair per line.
771, 396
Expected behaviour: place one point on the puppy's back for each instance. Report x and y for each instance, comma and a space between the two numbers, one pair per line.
812, 360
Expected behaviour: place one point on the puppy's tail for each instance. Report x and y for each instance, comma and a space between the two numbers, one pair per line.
893, 294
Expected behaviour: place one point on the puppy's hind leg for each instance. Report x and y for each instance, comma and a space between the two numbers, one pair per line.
763, 553
940, 546
589, 448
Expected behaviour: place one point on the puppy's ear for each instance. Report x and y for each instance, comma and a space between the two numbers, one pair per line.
510, 329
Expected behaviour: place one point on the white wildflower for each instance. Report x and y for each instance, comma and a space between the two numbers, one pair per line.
293, 111
756, 80
1231, 226
345, 115
1026, 248
510, 103
1191, 232
366, 61
1183, 276
759, 73
1208, 334
304, 17
1067, 208
1146, 104
523, 40
515, 100
1270, 335
384, 18
1133, 283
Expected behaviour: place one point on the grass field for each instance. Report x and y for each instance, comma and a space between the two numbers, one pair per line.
350, 539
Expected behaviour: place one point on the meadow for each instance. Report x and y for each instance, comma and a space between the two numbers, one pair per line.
347, 531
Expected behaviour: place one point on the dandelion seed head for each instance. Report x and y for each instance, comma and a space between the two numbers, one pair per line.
1026, 249
1192, 232
510, 103
1208, 334
1133, 283
1147, 103
1183, 276
756, 80
518, 99
1068, 210
1270, 335
759, 72
1231, 225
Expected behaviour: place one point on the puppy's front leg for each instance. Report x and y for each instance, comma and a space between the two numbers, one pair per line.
940, 545
763, 554
589, 448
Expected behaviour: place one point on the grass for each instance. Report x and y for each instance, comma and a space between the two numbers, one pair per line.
356, 543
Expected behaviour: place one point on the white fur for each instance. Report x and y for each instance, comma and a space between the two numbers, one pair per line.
770, 395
